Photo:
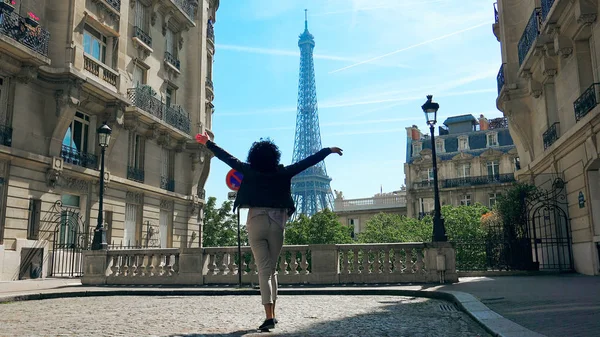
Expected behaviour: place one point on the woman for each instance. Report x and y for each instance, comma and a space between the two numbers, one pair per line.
266, 191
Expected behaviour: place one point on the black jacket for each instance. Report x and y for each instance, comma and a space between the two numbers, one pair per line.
273, 189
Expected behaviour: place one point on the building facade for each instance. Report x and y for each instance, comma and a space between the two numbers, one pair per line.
142, 67
548, 89
356, 212
476, 162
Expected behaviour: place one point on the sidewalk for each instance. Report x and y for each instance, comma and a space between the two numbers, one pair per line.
552, 305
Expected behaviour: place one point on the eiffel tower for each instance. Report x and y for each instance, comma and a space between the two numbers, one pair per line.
310, 189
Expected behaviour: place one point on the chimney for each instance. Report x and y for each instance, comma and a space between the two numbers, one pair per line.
416, 133
483, 123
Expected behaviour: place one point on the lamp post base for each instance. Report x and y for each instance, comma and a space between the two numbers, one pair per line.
439, 230
99, 242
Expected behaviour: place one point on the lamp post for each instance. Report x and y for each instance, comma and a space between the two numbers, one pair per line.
439, 231
99, 241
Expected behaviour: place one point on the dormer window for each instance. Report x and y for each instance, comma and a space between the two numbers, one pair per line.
417, 148
492, 139
463, 143
440, 146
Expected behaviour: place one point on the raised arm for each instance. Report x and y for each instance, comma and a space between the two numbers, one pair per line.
223, 155
305, 163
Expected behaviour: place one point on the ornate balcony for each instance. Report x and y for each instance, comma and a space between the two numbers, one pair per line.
210, 90
551, 135
116, 4
167, 183
210, 31
478, 181
100, 70
144, 98
546, 6
171, 60
187, 7
530, 34
378, 202
496, 25
15, 27
73, 156
135, 174
5, 135
586, 102
423, 184
500, 79
142, 36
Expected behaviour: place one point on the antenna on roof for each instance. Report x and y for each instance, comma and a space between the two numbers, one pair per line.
306, 19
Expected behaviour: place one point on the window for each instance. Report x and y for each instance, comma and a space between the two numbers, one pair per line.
465, 200
463, 143
69, 221
429, 174
33, 228
417, 147
136, 151
463, 170
139, 75
77, 134
141, 16
94, 44
108, 222
517, 163
165, 228
439, 146
170, 41
354, 224
167, 173
170, 96
3, 105
492, 199
129, 234
493, 169
492, 139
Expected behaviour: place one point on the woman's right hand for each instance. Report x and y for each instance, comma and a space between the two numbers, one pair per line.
337, 150
202, 138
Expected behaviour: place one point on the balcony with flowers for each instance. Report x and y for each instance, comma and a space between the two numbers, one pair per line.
32, 40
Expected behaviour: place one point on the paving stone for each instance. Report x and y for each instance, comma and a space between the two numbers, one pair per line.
235, 316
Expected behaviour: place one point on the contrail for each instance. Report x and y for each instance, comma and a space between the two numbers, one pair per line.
410, 47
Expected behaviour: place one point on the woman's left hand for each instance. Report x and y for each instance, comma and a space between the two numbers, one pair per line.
202, 138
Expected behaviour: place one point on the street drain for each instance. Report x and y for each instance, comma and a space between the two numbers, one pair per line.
448, 307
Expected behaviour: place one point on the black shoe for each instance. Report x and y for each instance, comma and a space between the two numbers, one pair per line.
267, 324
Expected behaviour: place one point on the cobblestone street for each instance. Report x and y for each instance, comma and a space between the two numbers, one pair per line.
235, 316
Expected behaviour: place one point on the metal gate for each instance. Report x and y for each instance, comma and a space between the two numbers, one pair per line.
549, 226
69, 241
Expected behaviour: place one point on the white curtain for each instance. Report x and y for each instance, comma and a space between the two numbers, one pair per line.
164, 226
130, 224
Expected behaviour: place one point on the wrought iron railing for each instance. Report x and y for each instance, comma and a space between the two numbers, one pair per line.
478, 181
530, 34
498, 123
496, 16
177, 117
116, 4
586, 102
14, 26
500, 79
6, 135
210, 31
424, 184
546, 6
187, 6
135, 174
172, 60
166, 183
551, 135
143, 98
73, 156
209, 84
142, 35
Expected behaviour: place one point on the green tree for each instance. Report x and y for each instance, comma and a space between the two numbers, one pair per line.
463, 223
512, 208
322, 228
220, 225
389, 228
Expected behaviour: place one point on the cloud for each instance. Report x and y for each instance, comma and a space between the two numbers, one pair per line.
409, 47
279, 52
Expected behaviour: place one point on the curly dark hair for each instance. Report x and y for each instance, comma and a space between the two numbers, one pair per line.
264, 155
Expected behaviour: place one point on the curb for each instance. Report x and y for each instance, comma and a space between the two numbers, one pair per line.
491, 321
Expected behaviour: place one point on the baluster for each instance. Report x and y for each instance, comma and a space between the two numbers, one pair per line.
161, 264
284, 269
355, 268
223, 264
345, 261
212, 265
114, 268
304, 263
294, 262
376, 263
399, 257
413, 261
420, 265
176, 264
150, 269
386, 262
138, 265
134, 268
232, 266
169, 265
124, 266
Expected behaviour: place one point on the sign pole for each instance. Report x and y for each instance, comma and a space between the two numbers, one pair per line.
239, 250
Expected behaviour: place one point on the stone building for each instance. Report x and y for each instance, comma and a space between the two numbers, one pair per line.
356, 212
548, 89
142, 67
476, 161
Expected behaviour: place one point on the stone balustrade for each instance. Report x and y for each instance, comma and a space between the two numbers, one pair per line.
303, 264
378, 202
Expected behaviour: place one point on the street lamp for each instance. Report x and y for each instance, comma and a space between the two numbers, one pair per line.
439, 231
99, 241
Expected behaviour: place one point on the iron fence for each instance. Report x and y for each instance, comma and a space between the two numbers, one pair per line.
586, 102
177, 117
172, 60
135, 174
500, 79
187, 6
530, 34
6, 135
546, 6
142, 35
116, 4
73, 156
210, 31
480, 180
551, 135
15, 27
166, 183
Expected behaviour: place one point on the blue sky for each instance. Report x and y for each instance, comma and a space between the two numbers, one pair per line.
375, 61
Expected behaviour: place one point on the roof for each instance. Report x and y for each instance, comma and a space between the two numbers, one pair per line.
460, 119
